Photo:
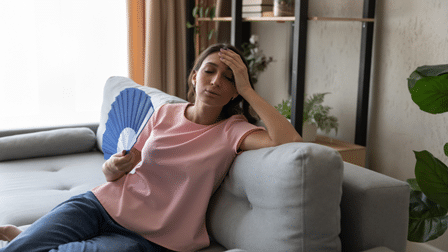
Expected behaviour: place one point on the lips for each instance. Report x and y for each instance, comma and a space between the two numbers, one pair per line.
211, 92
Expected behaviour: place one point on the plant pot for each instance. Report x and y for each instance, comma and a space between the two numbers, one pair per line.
283, 8
309, 132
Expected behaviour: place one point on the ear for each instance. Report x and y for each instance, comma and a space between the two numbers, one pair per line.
194, 76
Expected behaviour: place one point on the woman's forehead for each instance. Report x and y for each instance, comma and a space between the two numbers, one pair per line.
213, 59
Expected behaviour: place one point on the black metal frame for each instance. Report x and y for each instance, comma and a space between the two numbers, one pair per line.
236, 26
299, 60
298, 64
364, 74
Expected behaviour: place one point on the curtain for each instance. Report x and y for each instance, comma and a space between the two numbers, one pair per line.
157, 31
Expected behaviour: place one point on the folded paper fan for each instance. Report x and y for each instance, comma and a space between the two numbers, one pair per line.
127, 117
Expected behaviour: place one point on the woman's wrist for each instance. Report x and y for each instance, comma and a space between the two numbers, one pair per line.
111, 172
246, 92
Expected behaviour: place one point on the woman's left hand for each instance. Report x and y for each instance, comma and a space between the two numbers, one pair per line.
239, 69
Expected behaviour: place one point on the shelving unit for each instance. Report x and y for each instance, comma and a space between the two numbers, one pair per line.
299, 56
287, 19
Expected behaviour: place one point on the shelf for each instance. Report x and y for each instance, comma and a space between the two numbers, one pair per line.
288, 19
351, 153
342, 19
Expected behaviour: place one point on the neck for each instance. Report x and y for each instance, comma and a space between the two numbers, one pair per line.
203, 114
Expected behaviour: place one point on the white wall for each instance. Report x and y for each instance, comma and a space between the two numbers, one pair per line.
408, 34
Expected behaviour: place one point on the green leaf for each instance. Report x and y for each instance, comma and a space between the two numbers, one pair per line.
284, 108
210, 34
428, 86
445, 149
427, 219
195, 11
424, 71
212, 12
432, 177
431, 94
414, 185
189, 25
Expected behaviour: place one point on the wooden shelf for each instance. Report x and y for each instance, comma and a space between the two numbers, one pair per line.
350, 153
288, 19
342, 19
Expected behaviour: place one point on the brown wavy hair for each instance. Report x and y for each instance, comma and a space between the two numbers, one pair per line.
237, 106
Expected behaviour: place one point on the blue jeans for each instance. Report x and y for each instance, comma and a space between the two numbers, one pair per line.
79, 224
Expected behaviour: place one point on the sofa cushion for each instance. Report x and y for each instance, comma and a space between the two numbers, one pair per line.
30, 188
284, 198
47, 143
114, 85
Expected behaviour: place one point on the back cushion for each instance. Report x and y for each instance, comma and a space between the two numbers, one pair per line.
47, 143
114, 85
284, 198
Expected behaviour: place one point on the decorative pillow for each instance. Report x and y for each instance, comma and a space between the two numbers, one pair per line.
284, 198
47, 143
114, 86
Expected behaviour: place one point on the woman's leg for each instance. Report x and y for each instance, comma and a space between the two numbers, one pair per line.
112, 242
79, 224
76, 219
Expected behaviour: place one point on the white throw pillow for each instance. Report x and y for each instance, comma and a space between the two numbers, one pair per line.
116, 84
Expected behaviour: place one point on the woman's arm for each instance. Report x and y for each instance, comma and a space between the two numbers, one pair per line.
120, 164
279, 129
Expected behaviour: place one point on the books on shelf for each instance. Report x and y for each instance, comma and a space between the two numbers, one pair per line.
258, 2
257, 8
263, 14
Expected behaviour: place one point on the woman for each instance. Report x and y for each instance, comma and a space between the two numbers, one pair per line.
156, 196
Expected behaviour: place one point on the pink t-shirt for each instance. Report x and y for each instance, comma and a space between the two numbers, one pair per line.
183, 163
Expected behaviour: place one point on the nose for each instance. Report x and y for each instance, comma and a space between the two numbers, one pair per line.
216, 80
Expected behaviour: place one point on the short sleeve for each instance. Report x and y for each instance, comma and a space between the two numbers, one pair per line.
146, 132
239, 128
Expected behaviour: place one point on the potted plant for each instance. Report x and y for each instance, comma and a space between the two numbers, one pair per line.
315, 116
428, 206
256, 60
283, 8
202, 12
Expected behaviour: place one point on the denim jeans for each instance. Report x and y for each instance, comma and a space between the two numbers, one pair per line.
79, 224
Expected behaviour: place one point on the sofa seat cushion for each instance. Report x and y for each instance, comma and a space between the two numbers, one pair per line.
30, 188
47, 143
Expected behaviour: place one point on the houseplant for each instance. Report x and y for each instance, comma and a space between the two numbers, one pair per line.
256, 60
428, 207
200, 11
315, 116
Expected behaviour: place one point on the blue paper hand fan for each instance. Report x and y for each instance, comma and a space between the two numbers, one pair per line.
127, 117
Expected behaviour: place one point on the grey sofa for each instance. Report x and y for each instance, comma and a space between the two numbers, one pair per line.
293, 197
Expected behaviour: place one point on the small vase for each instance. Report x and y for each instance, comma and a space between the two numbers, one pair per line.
283, 8
309, 132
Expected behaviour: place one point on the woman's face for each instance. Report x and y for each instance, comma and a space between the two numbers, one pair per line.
214, 82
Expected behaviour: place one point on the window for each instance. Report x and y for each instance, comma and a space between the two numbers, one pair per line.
55, 57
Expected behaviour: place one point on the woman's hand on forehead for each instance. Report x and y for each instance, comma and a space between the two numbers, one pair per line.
239, 69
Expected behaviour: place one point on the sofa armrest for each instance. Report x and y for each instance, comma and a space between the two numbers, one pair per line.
374, 210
